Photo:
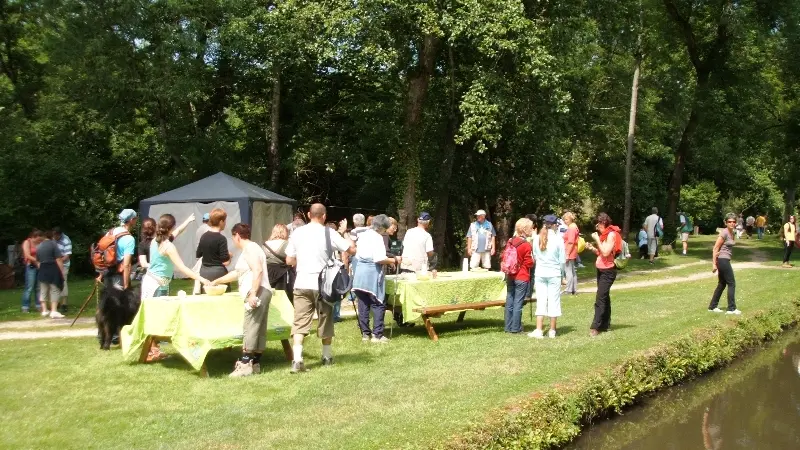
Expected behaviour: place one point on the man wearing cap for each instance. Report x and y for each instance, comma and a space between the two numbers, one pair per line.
201, 230
417, 246
126, 247
481, 242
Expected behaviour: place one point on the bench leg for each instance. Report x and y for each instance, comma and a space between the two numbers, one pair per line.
461, 316
145, 349
429, 327
287, 350
204, 371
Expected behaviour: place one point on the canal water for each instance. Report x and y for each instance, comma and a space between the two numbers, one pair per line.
752, 404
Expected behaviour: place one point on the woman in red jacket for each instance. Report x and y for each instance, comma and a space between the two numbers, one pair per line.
518, 283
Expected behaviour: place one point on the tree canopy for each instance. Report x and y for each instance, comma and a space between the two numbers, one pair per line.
513, 106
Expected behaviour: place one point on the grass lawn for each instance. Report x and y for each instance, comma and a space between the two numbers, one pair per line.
411, 393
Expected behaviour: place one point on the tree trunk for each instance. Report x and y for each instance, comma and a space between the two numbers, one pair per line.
504, 225
417, 92
275, 121
676, 178
626, 219
446, 169
789, 196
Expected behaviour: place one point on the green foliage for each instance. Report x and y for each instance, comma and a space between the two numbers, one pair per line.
700, 201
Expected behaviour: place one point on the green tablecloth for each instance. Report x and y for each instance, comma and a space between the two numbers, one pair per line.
200, 323
450, 288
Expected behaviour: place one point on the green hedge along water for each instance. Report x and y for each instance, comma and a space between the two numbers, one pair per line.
752, 404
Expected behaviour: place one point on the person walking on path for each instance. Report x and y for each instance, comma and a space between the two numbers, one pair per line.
761, 225
721, 257
65, 247
551, 255
481, 242
369, 281
607, 244
739, 226
51, 276
789, 237
308, 252
571, 249
654, 227
750, 223
517, 284
686, 228
31, 270
254, 288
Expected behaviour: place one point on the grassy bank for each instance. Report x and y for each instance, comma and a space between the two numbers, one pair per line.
411, 393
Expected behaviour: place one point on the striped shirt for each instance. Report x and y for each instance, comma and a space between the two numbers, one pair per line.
65, 245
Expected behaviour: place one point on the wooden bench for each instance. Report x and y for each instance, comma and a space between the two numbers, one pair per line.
429, 312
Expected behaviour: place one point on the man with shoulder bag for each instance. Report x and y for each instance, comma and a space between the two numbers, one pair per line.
310, 252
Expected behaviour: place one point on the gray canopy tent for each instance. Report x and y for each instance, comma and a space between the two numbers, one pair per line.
242, 201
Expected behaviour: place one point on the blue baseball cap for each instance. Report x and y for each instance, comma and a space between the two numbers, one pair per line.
425, 216
551, 219
206, 217
127, 215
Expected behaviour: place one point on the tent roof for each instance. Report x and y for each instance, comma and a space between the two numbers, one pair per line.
218, 187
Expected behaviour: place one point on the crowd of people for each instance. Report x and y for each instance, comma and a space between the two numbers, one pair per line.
546, 256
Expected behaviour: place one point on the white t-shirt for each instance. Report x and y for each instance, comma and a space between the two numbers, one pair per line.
246, 274
307, 244
416, 245
650, 225
370, 246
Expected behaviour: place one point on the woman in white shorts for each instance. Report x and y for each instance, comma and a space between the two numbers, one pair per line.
550, 255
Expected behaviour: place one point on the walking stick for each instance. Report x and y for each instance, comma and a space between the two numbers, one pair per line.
94, 290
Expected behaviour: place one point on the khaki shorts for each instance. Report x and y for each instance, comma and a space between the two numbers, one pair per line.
65, 291
306, 301
652, 246
684, 237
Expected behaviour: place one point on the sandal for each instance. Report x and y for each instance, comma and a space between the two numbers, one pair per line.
157, 355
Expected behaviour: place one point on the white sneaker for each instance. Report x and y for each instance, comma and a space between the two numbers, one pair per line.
716, 310
45, 313
735, 312
551, 334
56, 315
536, 334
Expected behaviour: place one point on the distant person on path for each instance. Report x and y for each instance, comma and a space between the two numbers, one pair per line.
119, 277
31, 270
750, 223
551, 256
51, 276
789, 237
251, 273
607, 244
641, 241
517, 284
761, 225
654, 227
571, 249
723, 251
281, 274
739, 226
369, 281
481, 241
213, 247
686, 228
65, 246
307, 251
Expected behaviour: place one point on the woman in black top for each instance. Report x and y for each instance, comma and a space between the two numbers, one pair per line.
213, 247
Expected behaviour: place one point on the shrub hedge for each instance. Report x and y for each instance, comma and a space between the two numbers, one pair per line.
555, 417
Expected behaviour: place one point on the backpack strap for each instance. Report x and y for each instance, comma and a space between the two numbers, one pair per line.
266, 246
328, 246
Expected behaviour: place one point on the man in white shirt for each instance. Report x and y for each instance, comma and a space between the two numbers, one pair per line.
652, 222
417, 246
307, 251
201, 230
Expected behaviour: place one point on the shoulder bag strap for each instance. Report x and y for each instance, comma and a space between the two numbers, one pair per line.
328, 245
266, 246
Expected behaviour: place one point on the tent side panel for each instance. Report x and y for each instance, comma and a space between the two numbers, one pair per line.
266, 215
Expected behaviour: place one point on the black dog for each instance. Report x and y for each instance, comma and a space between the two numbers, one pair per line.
117, 308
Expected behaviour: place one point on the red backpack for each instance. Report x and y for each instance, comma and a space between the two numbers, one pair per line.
509, 262
104, 253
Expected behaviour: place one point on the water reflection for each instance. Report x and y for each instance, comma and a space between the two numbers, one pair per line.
753, 404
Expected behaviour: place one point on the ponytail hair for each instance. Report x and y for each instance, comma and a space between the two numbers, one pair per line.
165, 225
543, 237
